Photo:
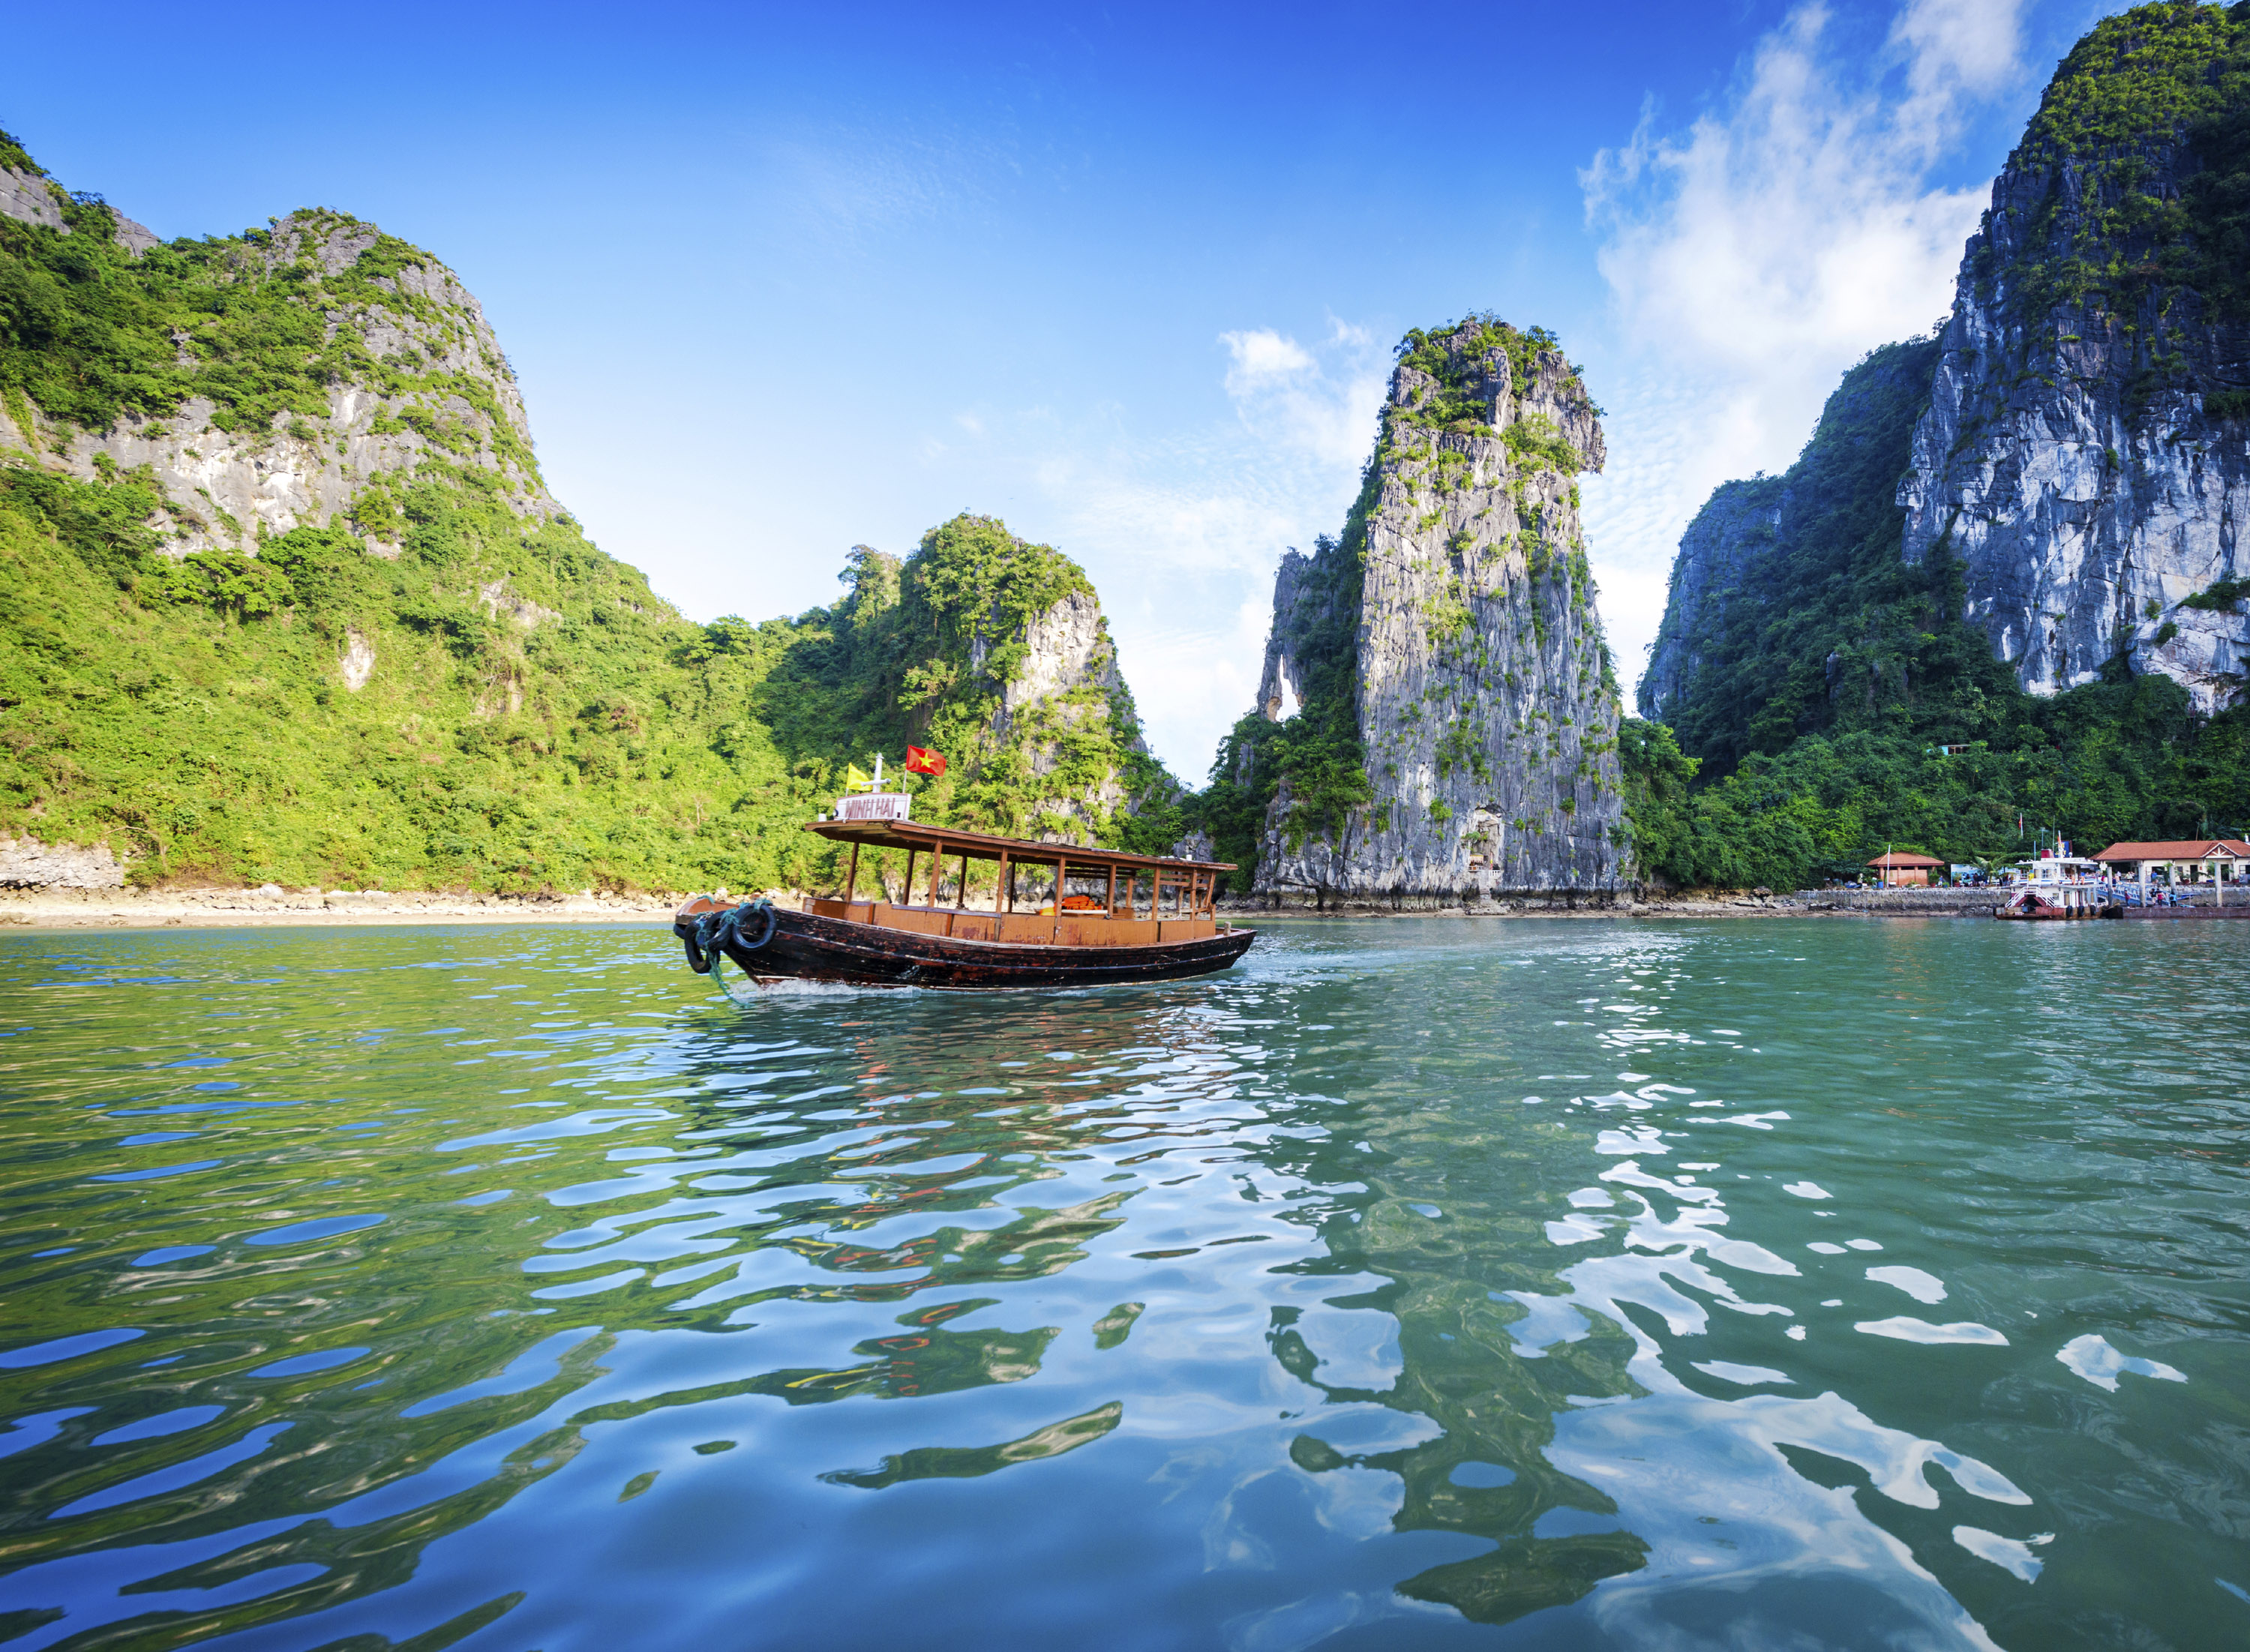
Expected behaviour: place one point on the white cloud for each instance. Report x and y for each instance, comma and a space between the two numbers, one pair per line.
1303, 409
1757, 253
1261, 357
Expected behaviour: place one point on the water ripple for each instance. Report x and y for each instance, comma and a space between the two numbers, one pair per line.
1415, 1279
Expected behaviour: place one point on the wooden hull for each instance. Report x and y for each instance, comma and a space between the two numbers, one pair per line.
807, 947
2047, 912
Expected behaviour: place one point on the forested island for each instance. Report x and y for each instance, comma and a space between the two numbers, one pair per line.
287, 601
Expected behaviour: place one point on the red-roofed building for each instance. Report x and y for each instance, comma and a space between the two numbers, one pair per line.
1900, 871
2189, 860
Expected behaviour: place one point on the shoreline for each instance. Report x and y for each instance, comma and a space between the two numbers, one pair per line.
1723, 904
250, 908
42, 910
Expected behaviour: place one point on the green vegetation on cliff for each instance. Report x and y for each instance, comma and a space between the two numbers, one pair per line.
499, 705
2139, 81
2106, 762
195, 712
89, 333
1827, 671
1809, 675
1316, 756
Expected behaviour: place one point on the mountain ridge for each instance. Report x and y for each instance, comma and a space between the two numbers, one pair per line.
288, 600
1997, 599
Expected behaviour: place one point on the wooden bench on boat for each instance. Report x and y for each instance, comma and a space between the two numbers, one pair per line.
1146, 918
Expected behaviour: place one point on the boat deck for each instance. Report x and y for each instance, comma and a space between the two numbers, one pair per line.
1064, 929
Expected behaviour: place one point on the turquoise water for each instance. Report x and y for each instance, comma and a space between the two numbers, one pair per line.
1418, 1284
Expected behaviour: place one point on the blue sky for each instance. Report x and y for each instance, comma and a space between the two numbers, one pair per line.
780, 279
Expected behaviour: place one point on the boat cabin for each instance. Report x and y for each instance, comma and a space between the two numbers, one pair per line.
1098, 896
2059, 869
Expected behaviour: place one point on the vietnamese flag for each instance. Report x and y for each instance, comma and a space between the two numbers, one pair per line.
921, 762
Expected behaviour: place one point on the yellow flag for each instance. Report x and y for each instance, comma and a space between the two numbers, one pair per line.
854, 781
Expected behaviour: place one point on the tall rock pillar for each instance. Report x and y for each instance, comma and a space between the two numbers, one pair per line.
1484, 710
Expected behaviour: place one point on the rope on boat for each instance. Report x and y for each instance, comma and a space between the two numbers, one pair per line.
727, 984
714, 929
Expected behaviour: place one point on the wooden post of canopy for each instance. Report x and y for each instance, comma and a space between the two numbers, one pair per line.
961, 891
1110, 911
1060, 864
852, 878
1007, 876
936, 875
906, 887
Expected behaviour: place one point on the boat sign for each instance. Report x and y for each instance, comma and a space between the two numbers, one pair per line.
875, 806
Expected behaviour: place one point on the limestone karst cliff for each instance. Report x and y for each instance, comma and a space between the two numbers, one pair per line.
1998, 598
284, 597
1767, 625
315, 368
995, 651
2086, 453
1437, 719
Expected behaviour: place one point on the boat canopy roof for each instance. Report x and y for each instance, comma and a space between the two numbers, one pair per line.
951, 841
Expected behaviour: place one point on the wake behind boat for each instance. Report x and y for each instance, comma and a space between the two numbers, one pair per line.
1136, 918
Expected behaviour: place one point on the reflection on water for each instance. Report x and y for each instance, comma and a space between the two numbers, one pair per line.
1788, 1282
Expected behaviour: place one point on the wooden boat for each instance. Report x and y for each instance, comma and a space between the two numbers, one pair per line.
1127, 931
2062, 887
2068, 901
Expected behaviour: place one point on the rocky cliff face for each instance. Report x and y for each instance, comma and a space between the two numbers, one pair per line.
1481, 699
1065, 703
994, 652
1738, 523
2086, 454
25, 863
408, 375
1773, 621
